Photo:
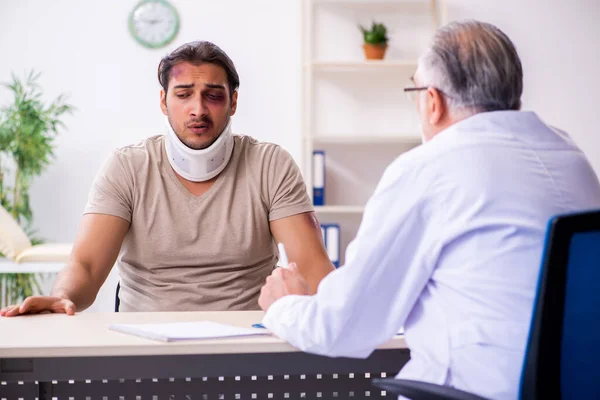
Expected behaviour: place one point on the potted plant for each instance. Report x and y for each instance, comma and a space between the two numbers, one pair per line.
28, 128
375, 41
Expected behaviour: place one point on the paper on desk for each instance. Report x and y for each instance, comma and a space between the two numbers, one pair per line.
173, 331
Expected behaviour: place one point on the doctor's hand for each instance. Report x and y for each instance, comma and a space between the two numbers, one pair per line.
282, 282
38, 305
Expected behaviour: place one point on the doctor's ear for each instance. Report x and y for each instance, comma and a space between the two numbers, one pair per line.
163, 102
435, 106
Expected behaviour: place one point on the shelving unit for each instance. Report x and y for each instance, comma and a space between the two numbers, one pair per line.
400, 138
360, 65
385, 5
354, 109
339, 209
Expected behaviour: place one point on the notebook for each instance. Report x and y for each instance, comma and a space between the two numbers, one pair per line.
176, 331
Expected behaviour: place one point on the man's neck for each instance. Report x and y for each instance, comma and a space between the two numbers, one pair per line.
452, 119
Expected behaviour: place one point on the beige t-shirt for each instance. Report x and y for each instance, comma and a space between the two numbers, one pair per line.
188, 253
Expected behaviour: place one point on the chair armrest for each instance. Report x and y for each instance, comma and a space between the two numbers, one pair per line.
417, 390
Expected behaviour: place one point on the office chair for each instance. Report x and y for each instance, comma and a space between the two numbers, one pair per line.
563, 349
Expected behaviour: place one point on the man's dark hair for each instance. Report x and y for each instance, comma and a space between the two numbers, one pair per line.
197, 53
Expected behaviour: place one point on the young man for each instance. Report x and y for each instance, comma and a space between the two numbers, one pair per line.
195, 213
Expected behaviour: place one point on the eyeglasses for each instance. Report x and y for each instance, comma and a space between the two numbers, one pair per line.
411, 92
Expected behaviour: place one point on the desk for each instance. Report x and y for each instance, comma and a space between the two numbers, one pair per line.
78, 357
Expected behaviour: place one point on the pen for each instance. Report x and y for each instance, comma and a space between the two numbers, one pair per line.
282, 255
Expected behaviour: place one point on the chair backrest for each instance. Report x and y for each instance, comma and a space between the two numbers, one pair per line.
564, 341
12, 238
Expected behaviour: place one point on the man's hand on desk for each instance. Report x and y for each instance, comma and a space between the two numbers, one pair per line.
39, 304
282, 282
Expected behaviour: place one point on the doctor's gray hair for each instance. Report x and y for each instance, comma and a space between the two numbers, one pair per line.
475, 65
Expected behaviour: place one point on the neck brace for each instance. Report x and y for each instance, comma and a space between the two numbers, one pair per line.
199, 165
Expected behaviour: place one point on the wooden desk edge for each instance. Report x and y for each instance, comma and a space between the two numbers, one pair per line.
224, 346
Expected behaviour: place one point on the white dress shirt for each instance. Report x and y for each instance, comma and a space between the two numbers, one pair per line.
450, 248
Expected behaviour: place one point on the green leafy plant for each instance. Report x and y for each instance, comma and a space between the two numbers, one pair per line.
377, 35
28, 128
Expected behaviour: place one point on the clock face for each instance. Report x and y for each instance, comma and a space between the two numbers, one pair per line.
154, 23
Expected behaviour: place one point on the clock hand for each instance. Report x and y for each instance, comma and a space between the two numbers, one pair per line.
151, 21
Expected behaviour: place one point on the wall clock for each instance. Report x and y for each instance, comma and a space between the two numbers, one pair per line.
154, 23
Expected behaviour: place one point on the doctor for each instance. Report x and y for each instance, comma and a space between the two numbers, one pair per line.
451, 241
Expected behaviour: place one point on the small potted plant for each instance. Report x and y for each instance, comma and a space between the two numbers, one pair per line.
375, 41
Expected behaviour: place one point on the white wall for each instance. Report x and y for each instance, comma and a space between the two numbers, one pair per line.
84, 48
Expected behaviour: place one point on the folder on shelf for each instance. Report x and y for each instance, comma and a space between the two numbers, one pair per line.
331, 236
318, 177
333, 244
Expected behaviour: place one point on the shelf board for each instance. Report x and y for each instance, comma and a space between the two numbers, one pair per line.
377, 4
340, 209
363, 65
412, 140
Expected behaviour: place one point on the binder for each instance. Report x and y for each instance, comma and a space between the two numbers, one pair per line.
331, 233
333, 244
318, 178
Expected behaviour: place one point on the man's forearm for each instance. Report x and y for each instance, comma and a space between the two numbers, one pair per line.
316, 273
76, 283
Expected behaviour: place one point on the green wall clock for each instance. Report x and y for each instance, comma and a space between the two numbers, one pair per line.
154, 23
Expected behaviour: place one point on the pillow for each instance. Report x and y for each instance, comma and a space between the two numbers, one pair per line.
12, 238
54, 252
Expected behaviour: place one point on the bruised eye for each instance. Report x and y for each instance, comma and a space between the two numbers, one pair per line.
214, 97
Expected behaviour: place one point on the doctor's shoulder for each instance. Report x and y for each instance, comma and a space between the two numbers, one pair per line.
409, 162
416, 169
